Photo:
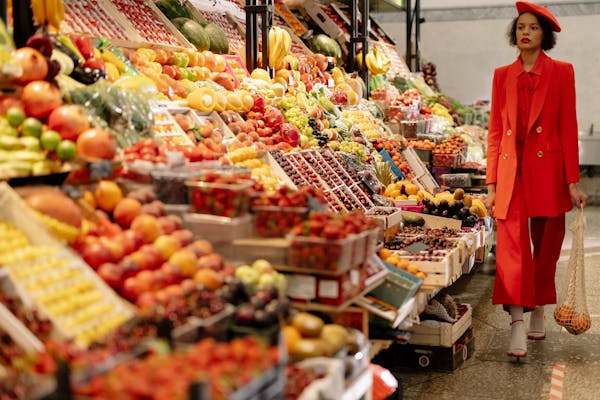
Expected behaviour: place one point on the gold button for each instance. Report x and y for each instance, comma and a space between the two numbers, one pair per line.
538, 129
508, 132
504, 156
540, 153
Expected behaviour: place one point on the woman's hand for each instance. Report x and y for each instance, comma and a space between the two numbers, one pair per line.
490, 199
579, 198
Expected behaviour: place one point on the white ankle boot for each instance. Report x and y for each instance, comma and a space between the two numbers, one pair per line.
537, 329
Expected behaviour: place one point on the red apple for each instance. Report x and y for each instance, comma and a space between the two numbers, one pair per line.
131, 290
116, 248
212, 261
111, 274
129, 266
173, 273
68, 120
170, 223
155, 257
134, 237
184, 236
95, 254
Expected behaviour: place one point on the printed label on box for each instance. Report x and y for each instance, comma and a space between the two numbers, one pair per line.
328, 289
301, 287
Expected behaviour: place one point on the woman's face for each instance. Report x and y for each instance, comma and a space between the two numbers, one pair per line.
529, 32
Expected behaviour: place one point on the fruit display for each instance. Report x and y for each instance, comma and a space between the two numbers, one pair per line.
277, 213
229, 365
264, 309
260, 275
40, 326
88, 16
227, 195
401, 262
329, 242
300, 379
83, 309
309, 336
144, 21
404, 190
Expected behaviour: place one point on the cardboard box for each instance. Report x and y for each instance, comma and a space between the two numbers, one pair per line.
437, 333
429, 357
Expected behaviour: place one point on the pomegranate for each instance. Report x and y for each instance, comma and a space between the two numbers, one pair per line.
69, 121
96, 144
40, 98
33, 63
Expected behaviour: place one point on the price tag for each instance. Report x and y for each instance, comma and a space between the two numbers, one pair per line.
315, 205
100, 169
330, 83
416, 247
291, 79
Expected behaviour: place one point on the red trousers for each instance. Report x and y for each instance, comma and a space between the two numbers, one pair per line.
525, 277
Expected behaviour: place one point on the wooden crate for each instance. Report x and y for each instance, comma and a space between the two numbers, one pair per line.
436, 333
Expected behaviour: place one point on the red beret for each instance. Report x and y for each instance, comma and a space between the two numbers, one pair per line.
525, 6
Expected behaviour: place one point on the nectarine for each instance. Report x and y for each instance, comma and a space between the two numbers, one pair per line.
186, 260
167, 245
147, 226
125, 211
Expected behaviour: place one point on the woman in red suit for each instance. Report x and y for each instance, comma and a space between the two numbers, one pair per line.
532, 171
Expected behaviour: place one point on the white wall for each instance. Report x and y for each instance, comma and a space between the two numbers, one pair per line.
466, 53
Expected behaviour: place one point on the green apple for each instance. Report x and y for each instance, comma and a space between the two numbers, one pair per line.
15, 116
247, 274
262, 266
50, 140
266, 280
66, 150
31, 127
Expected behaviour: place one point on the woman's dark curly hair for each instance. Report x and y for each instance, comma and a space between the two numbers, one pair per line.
549, 39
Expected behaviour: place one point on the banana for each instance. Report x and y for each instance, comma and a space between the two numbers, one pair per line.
55, 13
109, 56
283, 46
38, 9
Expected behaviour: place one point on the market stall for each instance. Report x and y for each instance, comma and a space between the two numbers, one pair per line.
171, 215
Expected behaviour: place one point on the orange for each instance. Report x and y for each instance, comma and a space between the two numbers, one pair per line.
107, 195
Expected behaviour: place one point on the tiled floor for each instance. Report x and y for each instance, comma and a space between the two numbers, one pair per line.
490, 373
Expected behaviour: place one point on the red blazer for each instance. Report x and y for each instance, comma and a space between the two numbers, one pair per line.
550, 159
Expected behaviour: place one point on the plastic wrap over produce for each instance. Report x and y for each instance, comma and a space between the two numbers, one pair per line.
125, 112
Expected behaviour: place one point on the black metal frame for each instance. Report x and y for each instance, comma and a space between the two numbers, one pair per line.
253, 11
413, 20
359, 37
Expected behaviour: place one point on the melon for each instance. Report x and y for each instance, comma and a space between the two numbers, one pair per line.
196, 35
218, 39
325, 45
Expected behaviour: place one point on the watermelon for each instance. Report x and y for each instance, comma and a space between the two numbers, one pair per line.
179, 21
195, 34
325, 45
173, 9
218, 39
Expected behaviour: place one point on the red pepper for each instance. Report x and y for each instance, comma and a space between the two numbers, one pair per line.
85, 46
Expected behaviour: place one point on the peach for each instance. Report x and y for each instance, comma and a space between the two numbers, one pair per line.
126, 211
167, 245
147, 226
107, 195
184, 236
186, 260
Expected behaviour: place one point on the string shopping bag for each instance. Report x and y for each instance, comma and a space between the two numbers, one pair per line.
571, 309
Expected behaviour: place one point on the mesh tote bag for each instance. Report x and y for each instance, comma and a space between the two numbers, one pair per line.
571, 309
